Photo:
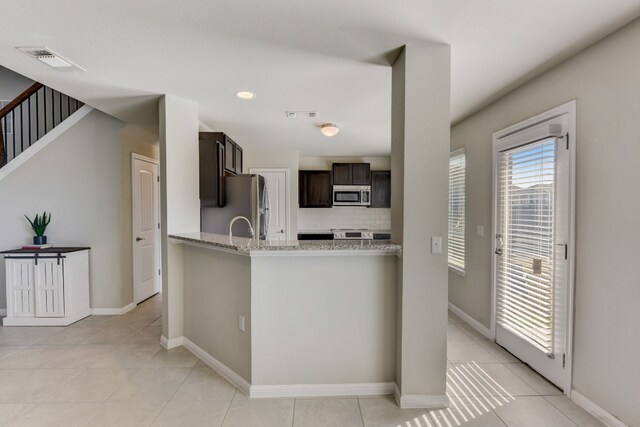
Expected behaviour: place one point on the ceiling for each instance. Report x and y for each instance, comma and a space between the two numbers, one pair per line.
330, 56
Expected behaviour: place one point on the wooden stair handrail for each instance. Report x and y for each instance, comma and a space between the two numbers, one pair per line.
20, 99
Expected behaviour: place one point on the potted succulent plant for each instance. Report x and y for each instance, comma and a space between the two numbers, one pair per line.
39, 225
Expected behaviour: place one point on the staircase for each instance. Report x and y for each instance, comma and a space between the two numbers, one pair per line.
30, 116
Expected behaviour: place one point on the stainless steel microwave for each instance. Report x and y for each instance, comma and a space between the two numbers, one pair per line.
351, 195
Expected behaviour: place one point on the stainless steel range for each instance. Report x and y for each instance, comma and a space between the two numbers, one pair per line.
360, 234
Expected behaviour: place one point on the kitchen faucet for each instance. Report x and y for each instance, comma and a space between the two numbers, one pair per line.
234, 220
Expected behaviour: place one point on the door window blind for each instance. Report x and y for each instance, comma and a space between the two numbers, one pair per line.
524, 269
457, 169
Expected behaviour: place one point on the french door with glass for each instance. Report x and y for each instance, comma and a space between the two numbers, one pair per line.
533, 223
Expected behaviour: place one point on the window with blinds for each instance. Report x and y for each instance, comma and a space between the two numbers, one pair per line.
457, 169
525, 265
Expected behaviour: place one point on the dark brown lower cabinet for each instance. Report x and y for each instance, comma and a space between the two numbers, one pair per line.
315, 189
380, 189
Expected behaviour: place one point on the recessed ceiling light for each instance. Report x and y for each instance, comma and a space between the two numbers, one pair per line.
329, 129
245, 95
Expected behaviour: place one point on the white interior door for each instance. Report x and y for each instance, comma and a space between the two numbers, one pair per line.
277, 183
146, 228
533, 223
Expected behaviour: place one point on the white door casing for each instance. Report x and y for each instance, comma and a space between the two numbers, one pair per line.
145, 194
543, 290
277, 183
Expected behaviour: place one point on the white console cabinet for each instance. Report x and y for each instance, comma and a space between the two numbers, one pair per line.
48, 287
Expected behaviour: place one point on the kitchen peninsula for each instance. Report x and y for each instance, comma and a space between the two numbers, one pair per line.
292, 318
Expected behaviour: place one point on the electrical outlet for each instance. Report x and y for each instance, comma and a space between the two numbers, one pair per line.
241, 322
436, 245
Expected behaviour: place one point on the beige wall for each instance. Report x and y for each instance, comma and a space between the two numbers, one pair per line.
140, 141
604, 81
278, 159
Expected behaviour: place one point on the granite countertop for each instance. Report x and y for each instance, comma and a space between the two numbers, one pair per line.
253, 246
52, 250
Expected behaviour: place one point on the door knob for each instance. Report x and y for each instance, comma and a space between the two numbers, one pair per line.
139, 239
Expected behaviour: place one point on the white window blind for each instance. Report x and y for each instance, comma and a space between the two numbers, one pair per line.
457, 169
524, 269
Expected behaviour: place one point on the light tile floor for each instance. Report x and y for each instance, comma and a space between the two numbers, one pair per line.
112, 371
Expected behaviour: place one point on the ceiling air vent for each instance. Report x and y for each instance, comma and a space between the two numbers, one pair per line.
301, 114
50, 58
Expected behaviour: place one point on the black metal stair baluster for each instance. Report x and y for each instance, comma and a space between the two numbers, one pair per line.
29, 120
37, 116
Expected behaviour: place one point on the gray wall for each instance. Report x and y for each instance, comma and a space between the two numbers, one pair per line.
78, 178
604, 79
12, 84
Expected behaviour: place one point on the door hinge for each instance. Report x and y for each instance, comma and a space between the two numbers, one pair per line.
567, 140
158, 226
159, 272
564, 360
158, 178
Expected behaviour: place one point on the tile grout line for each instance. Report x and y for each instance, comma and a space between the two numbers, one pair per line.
229, 407
293, 415
360, 408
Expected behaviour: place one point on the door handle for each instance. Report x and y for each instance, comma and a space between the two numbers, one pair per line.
138, 239
498, 251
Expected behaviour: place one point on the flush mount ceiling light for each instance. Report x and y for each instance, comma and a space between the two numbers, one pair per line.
49, 57
329, 129
245, 95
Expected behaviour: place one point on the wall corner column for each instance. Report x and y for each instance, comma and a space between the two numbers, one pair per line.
180, 210
420, 134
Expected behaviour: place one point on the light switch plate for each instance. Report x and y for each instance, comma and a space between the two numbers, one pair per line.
436, 245
480, 231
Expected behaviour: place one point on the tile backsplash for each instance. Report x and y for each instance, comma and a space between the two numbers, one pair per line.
344, 217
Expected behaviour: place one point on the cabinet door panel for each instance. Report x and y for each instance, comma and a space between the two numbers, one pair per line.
315, 189
238, 159
20, 284
380, 189
342, 174
361, 174
49, 284
230, 154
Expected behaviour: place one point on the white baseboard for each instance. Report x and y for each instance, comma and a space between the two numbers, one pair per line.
172, 343
588, 405
288, 391
113, 311
321, 390
218, 366
45, 321
471, 321
419, 401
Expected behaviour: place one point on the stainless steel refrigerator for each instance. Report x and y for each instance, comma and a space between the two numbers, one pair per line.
246, 195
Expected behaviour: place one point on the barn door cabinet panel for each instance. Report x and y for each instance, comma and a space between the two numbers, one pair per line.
48, 287
380, 189
315, 189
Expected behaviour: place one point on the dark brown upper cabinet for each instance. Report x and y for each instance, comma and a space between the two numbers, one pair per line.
212, 161
351, 174
361, 174
380, 189
315, 189
233, 156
